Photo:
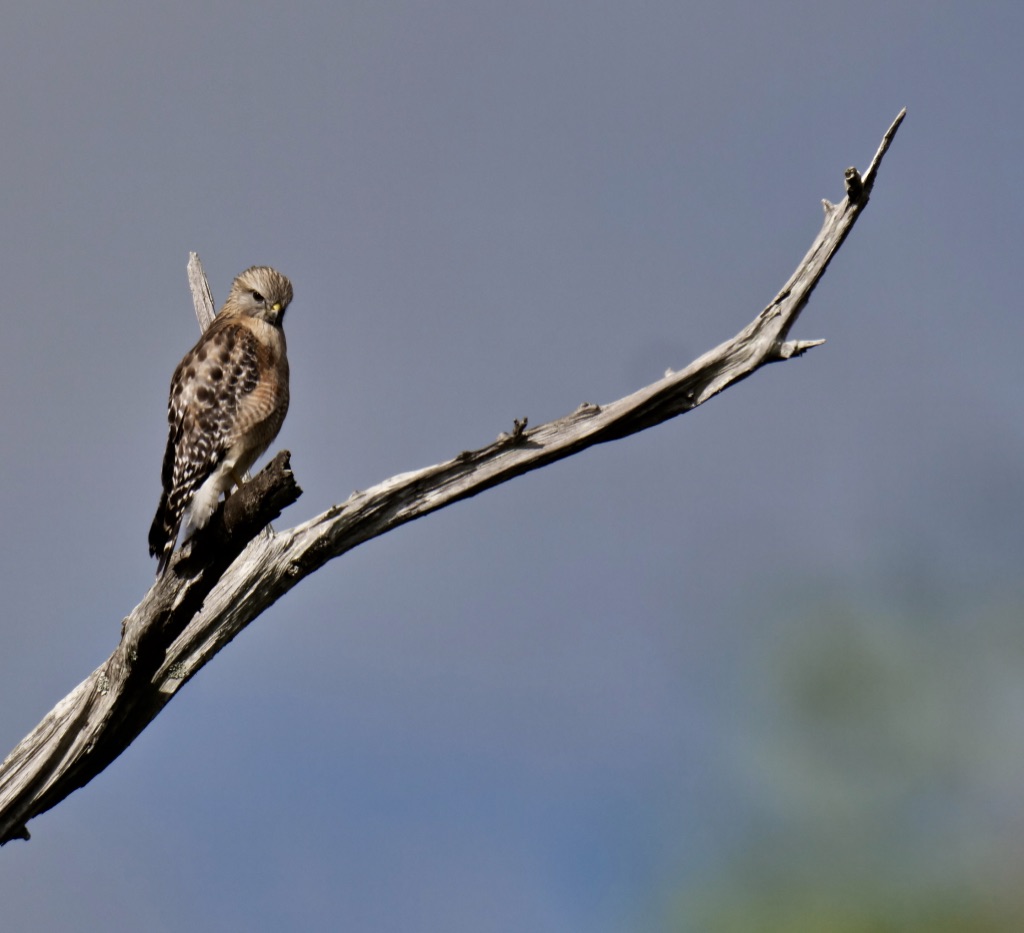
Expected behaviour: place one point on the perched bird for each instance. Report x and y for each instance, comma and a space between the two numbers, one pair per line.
229, 396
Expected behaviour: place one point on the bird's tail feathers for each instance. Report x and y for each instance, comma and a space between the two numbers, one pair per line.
163, 535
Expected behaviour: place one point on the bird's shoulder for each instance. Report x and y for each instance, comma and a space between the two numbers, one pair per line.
223, 361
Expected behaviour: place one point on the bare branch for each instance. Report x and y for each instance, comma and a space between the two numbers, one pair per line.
100, 718
202, 297
226, 576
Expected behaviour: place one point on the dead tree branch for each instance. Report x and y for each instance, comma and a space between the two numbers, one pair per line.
225, 577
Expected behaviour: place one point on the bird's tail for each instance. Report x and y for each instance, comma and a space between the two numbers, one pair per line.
163, 534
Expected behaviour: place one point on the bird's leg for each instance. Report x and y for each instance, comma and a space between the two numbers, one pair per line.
236, 482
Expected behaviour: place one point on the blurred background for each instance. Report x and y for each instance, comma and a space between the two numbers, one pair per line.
757, 669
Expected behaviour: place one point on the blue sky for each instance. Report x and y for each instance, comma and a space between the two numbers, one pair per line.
567, 704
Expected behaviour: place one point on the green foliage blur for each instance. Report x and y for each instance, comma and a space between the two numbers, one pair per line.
882, 761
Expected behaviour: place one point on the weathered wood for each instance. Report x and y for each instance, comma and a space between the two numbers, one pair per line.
218, 583
202, 297
101, 717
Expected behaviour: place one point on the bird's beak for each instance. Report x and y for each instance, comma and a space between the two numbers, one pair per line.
277, 307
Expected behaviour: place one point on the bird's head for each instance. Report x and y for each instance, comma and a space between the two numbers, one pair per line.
260, 292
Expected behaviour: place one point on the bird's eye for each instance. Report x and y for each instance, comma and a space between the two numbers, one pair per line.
256, 295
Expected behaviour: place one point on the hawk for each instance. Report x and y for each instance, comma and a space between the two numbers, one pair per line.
228, 398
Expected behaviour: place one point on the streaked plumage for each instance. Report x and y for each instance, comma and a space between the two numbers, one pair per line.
228, 398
